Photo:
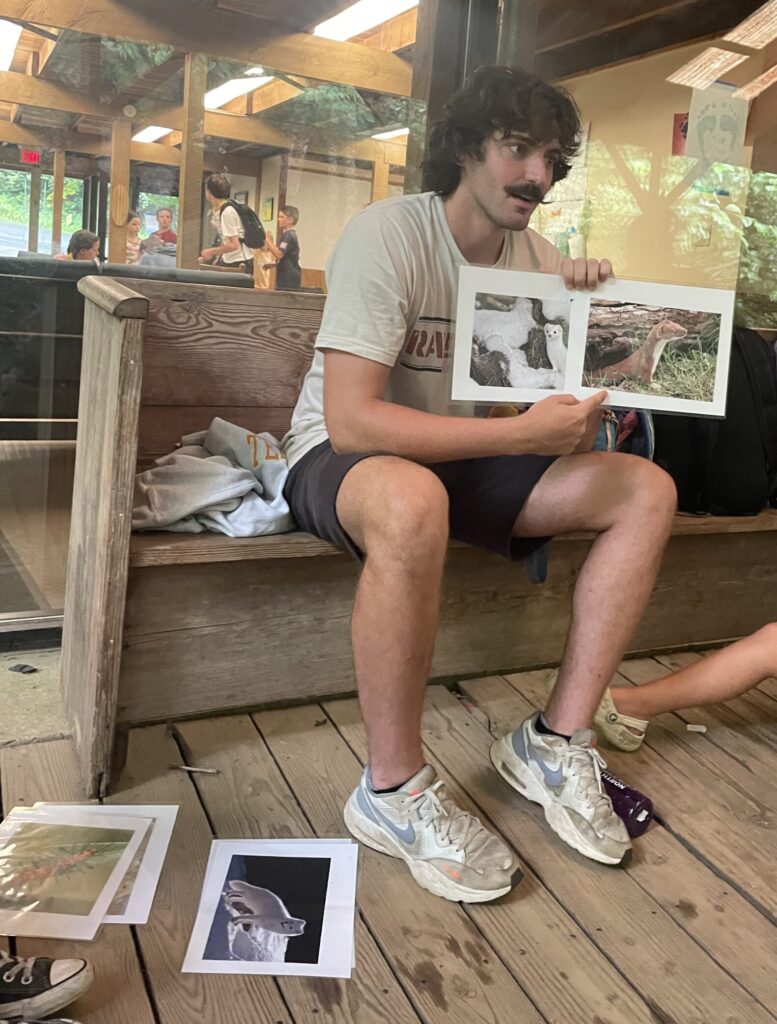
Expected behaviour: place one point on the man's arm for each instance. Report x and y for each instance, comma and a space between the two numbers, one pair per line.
358, 419
229, 244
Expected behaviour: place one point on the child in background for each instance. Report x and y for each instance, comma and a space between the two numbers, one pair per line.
625, 711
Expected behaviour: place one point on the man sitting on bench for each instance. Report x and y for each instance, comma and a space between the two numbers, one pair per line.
385, 466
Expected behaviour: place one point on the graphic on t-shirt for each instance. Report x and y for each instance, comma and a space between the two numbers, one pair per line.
428, 344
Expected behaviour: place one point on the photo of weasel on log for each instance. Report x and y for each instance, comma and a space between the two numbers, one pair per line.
653, 350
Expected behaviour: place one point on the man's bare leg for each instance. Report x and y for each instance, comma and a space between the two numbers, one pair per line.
397, 513
630, 503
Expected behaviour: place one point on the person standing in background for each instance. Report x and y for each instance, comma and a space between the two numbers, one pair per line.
133, 237
164, 232
286, 252
232, 250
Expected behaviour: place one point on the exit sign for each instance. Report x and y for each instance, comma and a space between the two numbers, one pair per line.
30, 156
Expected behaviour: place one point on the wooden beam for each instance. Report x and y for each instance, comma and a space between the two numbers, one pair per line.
59, 200
380, 180
35, 92
34, 223
190, 189
517, 33
220, 34
436, 74
154, 153
243, 129
672, 25
394, 34
121, 139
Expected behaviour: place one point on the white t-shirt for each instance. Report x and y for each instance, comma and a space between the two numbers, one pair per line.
392, 282
228, 224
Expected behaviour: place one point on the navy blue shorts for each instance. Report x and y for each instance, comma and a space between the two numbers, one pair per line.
486, 496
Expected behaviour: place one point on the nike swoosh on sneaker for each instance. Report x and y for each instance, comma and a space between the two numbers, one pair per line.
406, 834
554, 777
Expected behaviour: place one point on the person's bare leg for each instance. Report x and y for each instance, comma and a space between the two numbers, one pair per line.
397, 513
629, 503
721, 676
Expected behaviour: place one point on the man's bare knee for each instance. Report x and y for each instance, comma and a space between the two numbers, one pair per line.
652, 489
395, 508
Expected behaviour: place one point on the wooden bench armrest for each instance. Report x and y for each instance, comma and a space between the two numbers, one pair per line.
114, 297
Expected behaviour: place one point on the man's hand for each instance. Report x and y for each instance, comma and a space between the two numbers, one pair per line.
585, 274
561, 424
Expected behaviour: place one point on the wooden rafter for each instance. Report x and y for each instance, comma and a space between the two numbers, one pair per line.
223, 35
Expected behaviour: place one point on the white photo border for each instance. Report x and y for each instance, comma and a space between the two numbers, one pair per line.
672, 296
522, 284
33, 923
336, 950
473, 280
163, 817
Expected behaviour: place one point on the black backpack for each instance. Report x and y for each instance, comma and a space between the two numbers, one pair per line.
255, 235
728, 466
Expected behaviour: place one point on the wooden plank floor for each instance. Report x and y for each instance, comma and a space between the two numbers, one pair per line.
685, 935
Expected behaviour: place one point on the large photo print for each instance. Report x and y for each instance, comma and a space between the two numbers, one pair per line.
521, 337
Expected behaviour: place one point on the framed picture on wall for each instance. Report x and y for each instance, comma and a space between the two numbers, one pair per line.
268, 208
240, 197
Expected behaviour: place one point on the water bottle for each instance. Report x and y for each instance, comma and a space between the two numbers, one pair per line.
632, 807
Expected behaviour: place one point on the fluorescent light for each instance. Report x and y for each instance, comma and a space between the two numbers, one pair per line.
392, 135
361, 17
758, 30
706, 68
757, 86
151, 134
235, 87
9, 37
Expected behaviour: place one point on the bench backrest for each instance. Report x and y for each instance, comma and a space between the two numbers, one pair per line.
212, 351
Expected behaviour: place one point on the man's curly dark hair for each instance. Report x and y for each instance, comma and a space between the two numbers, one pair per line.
499, 101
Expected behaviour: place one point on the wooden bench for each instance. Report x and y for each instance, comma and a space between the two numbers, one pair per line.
164, 626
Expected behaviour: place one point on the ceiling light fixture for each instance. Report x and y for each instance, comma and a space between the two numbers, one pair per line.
9, 37
151, 134
705, 69
758, 30
757, 86
253, 79
383, 136
361, 17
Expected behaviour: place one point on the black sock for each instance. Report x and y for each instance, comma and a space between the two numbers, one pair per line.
391, 789
544, 729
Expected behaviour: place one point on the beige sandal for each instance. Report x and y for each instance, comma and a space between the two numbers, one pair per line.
610, 724
619, 730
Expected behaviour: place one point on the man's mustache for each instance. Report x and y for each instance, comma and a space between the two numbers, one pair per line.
530, 193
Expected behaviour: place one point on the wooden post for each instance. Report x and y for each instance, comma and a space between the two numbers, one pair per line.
59, 200
190, 187
517, 28
121, 138
380, 179
437, 69
102, 211
32, 234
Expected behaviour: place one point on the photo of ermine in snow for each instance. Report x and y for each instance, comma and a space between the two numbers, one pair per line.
519, 342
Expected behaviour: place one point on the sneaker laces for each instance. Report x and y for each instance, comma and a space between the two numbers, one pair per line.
588, 764
451, 823
23, 965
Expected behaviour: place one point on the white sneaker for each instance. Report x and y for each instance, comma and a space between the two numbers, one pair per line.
564, 777
449, 852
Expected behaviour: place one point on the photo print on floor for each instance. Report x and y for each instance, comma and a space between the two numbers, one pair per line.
276, 907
